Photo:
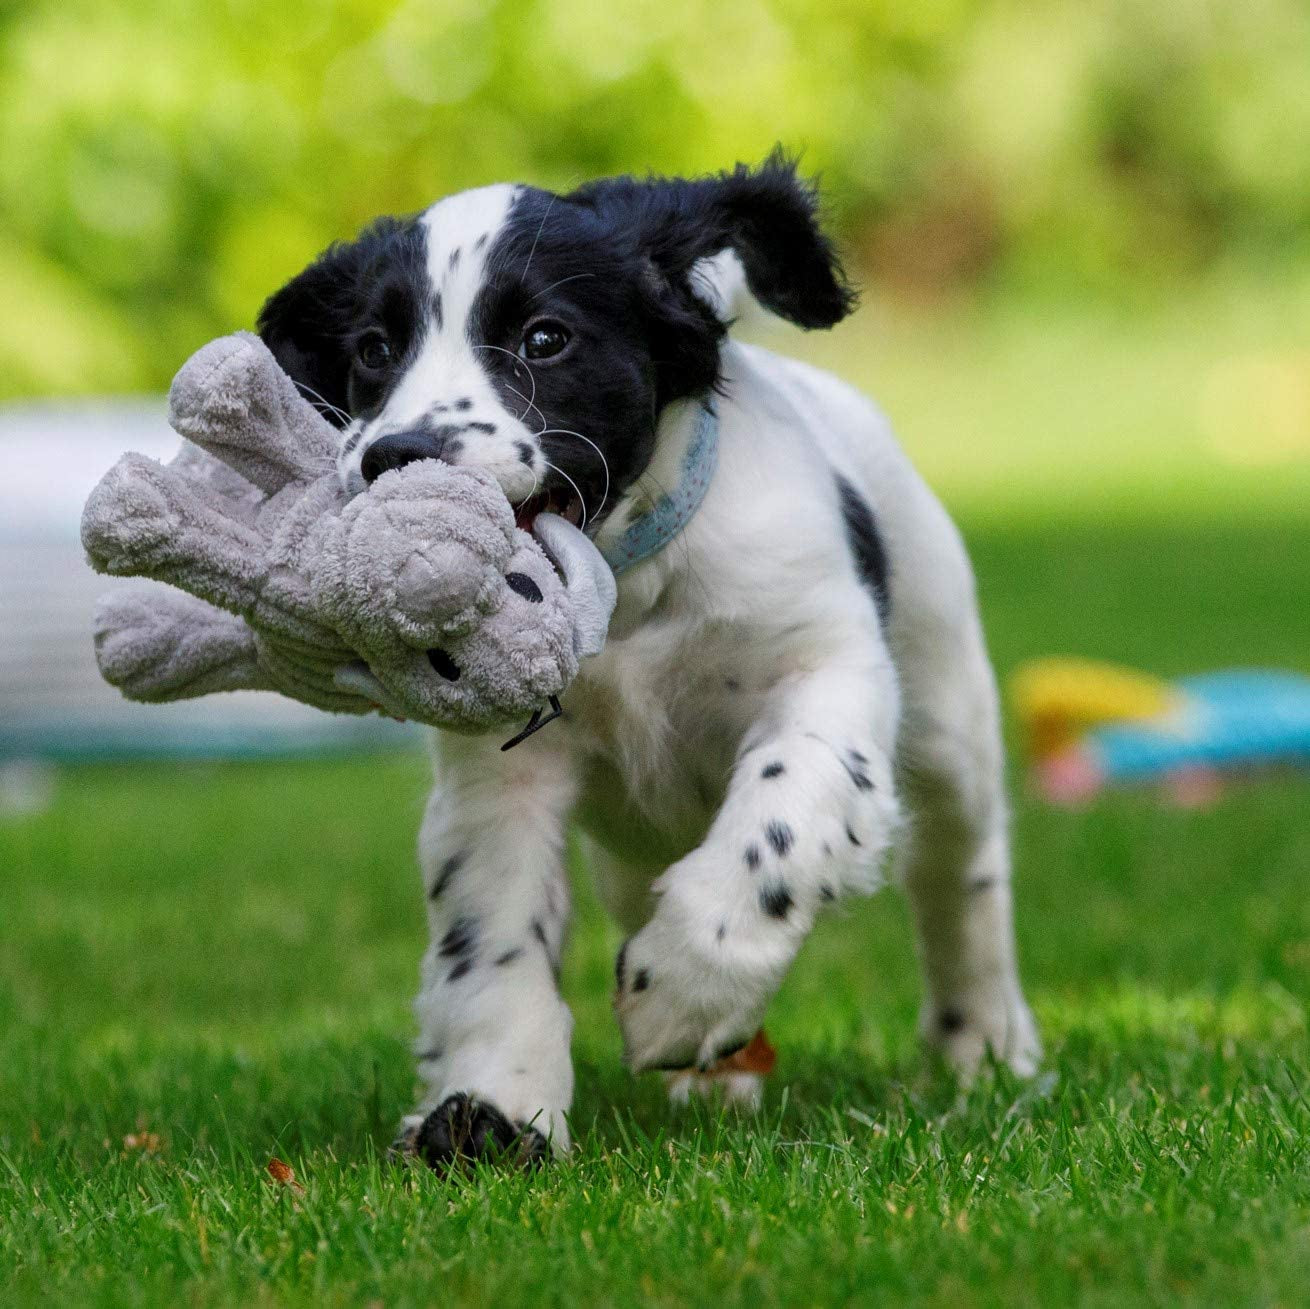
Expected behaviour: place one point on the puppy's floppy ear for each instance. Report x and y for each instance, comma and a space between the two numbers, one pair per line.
310, 325
768, 216
301, 324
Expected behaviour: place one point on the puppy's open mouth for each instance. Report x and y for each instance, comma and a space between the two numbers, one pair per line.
561, 500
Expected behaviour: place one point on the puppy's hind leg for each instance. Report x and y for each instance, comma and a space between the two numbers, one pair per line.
956, 856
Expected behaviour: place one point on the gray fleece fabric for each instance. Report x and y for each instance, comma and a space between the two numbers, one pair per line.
419, 597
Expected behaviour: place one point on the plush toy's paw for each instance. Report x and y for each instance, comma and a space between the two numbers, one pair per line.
988, 1022
685, 1002
462, 1128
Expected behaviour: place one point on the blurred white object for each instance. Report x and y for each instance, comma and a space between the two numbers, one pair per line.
53, 703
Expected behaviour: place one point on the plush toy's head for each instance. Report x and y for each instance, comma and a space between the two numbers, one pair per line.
419, 596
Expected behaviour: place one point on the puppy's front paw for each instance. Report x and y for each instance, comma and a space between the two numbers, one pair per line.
462, 1128
684, 1002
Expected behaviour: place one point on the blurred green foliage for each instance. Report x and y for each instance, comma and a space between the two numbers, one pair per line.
166, 163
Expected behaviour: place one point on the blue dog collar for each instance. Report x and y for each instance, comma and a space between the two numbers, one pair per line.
656, 526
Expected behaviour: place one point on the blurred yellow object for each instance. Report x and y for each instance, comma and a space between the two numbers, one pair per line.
1057, 699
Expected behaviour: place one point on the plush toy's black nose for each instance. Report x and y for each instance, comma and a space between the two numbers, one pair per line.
398, 449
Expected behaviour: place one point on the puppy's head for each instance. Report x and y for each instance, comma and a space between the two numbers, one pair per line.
540, 336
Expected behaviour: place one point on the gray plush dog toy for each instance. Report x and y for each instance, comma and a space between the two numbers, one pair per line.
419, 597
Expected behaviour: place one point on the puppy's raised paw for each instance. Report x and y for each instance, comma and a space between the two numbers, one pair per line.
462, 1129
682, 1004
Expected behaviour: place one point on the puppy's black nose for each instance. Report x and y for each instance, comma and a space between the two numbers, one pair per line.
398, 449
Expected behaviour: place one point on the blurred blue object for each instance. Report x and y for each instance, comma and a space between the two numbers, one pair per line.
53, 703
1230, 720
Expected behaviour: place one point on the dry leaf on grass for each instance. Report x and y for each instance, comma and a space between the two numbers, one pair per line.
284, 1175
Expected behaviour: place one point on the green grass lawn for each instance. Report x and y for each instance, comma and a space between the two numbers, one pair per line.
223, 956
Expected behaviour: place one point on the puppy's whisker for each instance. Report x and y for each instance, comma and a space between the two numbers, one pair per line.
561, 282
564, 431
518, 363
540, 228
322, 403
581, 501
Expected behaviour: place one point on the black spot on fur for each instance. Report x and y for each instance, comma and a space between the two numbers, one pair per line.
461, 939
826, 892
540, 933
446, 872
463, 404
621, 965
462, 1129
866, 545
455, 257
640, 980
850, 835
722, 932
509, 956
525, 452
461, 969
481, 242
438, 310
486, 428
431, 1056
752, 857
444, 665
731, 684
522, 584
981, 884
855, 768
779, 836
776, 900
951, 1021
775, 769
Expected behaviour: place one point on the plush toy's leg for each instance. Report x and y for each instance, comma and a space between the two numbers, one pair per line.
494, 1033
808, 813
157, 644
148, 519
956, 859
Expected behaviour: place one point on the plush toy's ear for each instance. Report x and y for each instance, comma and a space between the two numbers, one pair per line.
768, 216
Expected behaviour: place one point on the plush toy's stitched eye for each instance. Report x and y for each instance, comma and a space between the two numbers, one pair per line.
544, 339
522, 584
444, 664
374, 352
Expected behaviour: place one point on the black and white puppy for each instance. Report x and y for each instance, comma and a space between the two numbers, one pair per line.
803, 657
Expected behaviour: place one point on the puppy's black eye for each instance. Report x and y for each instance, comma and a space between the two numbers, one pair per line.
374, 352
544, 340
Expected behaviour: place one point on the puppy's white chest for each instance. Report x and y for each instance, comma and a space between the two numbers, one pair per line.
657, 720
